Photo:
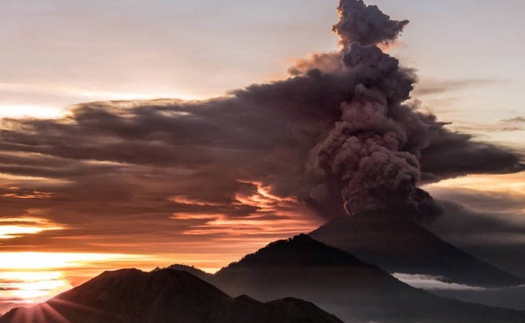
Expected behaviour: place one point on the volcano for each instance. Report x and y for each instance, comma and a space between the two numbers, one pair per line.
161, 296
342, 284
281, 274
397, 244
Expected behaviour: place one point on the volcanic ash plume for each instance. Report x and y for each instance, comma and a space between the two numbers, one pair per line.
368, 149
360, 23
339, 131
376, 148
365, 24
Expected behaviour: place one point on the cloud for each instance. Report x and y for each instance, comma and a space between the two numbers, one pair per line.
430, 86
429, 282
514, 120
263, 133
497, 127
263, 162
506, 297
15, 227
507, 125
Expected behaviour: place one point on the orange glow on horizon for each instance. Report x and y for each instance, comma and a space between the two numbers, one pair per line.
54, 260
212, 242
37, 195
9, 179
34, 277
28, 278
74, 93
15, 231
32, 287
11, 228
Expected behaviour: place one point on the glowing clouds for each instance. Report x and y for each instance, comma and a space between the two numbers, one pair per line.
17, 193
11, 228
52, 260
512, 184
263, 200
13, 231
269, 216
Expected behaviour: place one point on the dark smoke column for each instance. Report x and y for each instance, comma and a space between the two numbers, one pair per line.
371, 149
366, 25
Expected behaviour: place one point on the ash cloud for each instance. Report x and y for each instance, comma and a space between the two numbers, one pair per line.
492, 232
358, 23
337, 132
366, 25
364, 148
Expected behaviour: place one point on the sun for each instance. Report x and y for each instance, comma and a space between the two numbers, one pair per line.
30, 287
28, 278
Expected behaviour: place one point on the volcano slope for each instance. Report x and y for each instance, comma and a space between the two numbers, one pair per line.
397, 244
343, 285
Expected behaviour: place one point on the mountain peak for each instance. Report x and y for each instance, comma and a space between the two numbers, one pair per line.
190, 269
343, 285
300, 250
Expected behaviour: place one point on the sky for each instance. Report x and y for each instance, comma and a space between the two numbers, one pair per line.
88, 204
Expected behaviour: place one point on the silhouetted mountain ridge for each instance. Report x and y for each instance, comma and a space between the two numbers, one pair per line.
190, 269
341, 284
161, 296
287, 270
290, 252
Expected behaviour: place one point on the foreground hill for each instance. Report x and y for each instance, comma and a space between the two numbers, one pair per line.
161, 296
394, 242
341, 284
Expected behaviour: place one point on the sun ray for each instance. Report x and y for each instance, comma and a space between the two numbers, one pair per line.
39, 314
54, 313
65, 303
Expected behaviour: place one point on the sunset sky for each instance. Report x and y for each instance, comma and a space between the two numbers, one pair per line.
82, 199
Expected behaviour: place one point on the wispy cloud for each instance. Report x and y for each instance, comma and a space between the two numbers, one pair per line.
430, 282
430, 86
515, 120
